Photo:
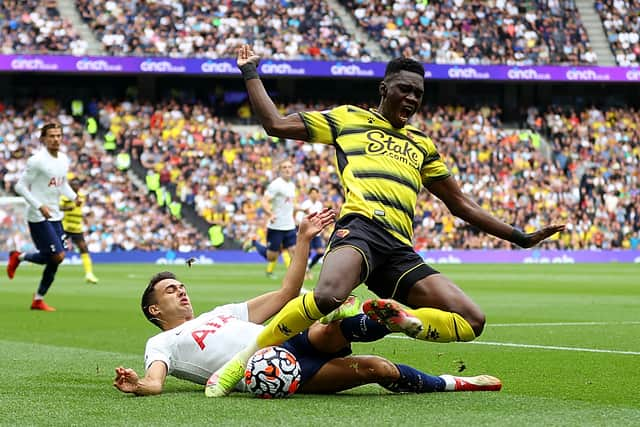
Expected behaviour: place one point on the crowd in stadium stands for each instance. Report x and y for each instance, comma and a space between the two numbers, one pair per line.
278, 29
587, 174
35, 26
117, 213
512, 32
620, 20
477, 32
452, 31
220, 173
598, 153
507, 172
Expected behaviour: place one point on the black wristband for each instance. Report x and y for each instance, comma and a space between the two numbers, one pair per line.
249, 71
519, 238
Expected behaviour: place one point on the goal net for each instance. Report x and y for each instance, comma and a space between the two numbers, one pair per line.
14, 231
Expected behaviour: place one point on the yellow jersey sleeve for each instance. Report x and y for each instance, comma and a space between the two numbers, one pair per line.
433, 167
66, 204
324, 126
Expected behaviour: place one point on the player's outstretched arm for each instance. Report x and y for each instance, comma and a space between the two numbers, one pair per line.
463, 207
128, 381
274, 124
265, 306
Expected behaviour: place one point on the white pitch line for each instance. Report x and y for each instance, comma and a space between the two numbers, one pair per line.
553, 347
540, 347
506, 325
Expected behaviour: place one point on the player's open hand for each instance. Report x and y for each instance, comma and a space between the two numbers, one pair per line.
532, 239
126, 380
246, 55
314, 223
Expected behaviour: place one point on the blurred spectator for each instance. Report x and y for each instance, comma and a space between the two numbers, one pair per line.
277, 29
597, 154
513, 32
620, 21
35, 26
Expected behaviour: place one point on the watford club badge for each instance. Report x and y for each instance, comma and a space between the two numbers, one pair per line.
342, 233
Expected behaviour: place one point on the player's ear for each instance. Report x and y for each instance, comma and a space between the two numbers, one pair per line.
382, 89
154, 310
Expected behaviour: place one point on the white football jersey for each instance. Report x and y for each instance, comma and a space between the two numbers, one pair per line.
282, 193
309, 207
42, 182
197, 348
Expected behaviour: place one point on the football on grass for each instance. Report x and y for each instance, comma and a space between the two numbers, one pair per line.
272, 372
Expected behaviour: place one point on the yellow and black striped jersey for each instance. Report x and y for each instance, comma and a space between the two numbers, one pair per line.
382, 168
72, 221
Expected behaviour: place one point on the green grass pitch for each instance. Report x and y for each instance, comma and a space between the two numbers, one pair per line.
565, 340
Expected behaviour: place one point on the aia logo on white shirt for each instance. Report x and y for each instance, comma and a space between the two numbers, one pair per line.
56, 181
211, 327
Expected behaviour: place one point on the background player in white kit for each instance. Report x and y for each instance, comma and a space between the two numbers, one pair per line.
192, 348
314, 205
278, 205
43, 182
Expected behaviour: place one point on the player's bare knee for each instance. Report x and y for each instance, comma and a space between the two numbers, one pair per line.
326, 300
386, 370
378, 369
57, 258
477, 321
330, 292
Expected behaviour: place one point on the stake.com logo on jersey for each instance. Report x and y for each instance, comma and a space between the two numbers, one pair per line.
384, 145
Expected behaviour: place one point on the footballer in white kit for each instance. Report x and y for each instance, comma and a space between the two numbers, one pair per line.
198, 347
192, 348
278, 206
309, 206
42, 183
281, 225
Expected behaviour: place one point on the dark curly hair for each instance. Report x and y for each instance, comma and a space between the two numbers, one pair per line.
403, 64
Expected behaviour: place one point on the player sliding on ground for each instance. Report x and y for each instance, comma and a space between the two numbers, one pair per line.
383, 163
192, 347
